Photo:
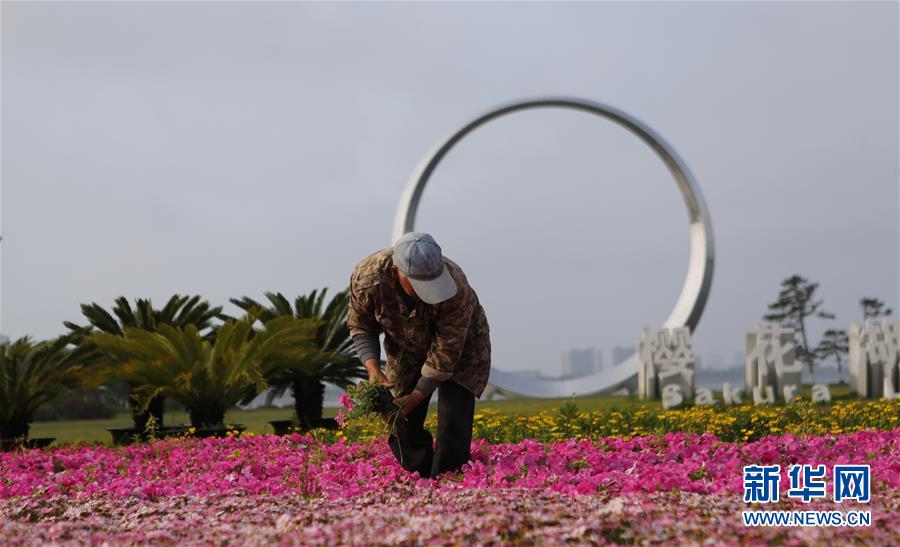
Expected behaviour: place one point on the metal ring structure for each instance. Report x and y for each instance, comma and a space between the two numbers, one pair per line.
694, 292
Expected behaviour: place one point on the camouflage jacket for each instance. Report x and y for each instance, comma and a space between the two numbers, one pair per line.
449, 340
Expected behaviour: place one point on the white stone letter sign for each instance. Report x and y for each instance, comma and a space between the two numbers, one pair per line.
874, 355
667, 365
770, 370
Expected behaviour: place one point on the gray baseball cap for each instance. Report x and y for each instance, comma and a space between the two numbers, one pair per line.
419, 258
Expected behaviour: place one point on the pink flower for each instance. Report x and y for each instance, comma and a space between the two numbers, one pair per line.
346, 401
340, 417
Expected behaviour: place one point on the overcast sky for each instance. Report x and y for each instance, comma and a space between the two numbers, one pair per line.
229, 149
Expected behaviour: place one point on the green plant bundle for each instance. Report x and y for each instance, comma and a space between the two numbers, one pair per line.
370, 398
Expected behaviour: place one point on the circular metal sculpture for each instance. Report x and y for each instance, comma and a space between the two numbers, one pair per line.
694, 292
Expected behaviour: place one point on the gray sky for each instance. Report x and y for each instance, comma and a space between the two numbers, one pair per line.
231, 149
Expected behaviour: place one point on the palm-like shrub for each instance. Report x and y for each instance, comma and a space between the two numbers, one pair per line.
179, 312
332, 337
206, 377
32, 374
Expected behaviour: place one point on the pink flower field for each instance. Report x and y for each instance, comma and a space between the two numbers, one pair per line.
253, 490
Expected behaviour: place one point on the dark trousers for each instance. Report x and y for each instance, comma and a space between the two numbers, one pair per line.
412, 445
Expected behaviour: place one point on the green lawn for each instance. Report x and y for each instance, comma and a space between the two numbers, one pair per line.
257, 420
586, 404
95, 430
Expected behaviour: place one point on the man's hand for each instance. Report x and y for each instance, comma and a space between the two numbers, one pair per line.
375, 374
409, 402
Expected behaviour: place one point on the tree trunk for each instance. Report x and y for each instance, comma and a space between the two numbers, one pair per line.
155, 409
806, 351
309, 396
14, 429
207, 416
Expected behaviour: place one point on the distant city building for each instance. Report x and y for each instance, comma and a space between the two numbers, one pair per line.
598, 360
578, 362
620, 353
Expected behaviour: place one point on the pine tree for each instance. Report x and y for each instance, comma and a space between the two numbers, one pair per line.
835, 344
796, 302
873, 308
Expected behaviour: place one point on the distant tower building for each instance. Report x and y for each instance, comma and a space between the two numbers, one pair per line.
578, 362
598, 360
620, 353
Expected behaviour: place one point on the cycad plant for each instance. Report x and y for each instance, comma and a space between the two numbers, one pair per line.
179, 312
332, 338
32, 374
206, 377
